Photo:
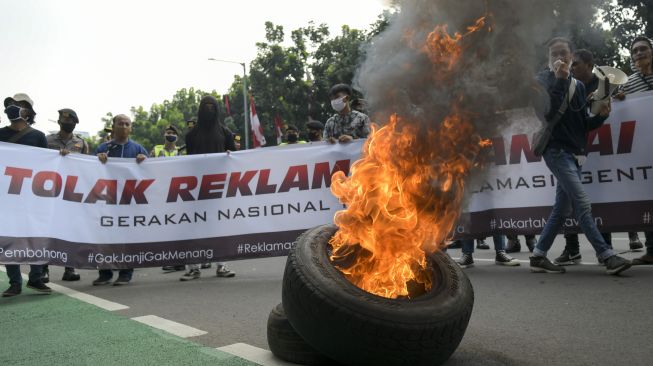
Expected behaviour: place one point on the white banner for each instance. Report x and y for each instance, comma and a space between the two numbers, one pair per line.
75, 211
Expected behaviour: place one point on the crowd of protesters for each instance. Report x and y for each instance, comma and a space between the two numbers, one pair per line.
568, 81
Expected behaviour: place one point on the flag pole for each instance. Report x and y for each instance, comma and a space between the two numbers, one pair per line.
246, 111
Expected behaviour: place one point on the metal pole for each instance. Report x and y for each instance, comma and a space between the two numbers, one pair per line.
245, 110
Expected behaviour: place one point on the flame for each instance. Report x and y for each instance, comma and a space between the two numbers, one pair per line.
405, 193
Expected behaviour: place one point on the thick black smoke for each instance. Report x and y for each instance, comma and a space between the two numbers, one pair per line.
496, 72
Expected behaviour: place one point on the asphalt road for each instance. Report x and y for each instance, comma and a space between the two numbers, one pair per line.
583, 317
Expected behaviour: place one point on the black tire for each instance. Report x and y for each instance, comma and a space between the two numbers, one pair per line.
355, 327
286, 344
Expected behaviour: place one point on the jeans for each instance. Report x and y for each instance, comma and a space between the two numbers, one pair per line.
468, 244
108, 273
573, 246
570, 198
13, 272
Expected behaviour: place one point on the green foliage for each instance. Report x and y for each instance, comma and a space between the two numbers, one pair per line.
291, 77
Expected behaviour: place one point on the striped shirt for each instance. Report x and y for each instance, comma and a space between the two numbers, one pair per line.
637, 84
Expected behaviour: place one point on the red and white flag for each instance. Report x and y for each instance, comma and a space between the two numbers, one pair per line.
278, 128
258, 139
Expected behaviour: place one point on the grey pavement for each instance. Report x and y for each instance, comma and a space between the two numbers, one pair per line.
583, 317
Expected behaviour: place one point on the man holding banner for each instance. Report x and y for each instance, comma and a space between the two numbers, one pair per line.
20, 112
564, 154
120, 147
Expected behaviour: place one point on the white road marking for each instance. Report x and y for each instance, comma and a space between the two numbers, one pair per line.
178, 329
254, 354
89, 299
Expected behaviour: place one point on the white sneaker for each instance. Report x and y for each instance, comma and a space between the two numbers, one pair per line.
504, 259
193, 274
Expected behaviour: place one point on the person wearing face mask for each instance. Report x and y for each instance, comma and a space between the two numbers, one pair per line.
292, 136
169, 148
66, 142
209, 135
20, 112
347, 124
314, 131
564, 153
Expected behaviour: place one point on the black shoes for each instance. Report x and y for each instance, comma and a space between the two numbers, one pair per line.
70, 275
635, 244
481, 244
45, 277
466, 261
13, 290
173, 268
121, 281
567, 259
102, 280
39, 286
504, 259
513, 246
543, 265
615, 265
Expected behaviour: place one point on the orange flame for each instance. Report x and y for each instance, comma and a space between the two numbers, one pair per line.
405, 193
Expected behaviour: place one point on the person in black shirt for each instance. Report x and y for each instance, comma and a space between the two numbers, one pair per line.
20, 112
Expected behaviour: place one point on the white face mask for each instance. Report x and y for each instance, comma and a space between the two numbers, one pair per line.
339, 104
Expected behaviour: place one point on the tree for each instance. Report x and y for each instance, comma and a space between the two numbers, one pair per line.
628, 19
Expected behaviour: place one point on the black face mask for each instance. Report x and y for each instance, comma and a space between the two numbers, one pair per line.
292, 137
67, 127
171, 138
13, 112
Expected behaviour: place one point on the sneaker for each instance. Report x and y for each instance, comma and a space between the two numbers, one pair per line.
102, 281
636, 245
513, 246
69, 274
504, 259
466, 261
13, 290
121, 281
193, 274
39, 286
543, 265
615, 265
205, 265
223, 271
567, 259
481, 244
530, 243
45, 277
173, 268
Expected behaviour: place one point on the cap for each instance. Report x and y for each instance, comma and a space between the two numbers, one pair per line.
68, 113
237, 138
172, 128
20, 97
108, 129
291, 128
315, 125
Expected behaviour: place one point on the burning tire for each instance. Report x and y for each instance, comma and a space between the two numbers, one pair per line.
286, 344
355, 327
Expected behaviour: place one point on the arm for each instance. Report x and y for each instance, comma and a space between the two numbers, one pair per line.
229, 143
557, 92
364, 128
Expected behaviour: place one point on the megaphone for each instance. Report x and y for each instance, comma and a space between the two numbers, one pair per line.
610, 79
